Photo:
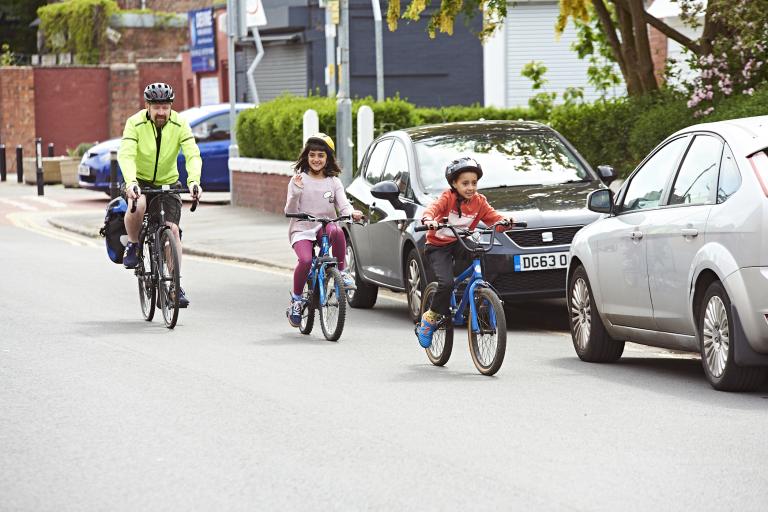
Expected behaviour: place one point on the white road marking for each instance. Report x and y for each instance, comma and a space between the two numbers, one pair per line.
18, 204
47, 200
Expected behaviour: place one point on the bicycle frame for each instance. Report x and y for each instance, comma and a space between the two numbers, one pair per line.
319, 263
474, 272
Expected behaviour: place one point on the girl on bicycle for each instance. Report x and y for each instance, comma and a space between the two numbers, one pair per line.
464, 207
315, 189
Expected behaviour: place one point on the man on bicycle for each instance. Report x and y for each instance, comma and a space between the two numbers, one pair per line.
147, 156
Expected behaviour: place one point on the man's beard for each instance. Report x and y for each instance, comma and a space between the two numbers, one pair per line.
160, 120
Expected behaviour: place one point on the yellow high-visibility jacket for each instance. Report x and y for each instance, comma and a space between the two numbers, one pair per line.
150, 155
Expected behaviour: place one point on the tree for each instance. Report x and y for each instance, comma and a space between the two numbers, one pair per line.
623, 23
15, 17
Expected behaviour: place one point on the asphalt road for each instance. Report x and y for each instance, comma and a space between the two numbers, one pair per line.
234, 410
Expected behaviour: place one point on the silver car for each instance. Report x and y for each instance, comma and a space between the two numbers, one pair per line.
680, 258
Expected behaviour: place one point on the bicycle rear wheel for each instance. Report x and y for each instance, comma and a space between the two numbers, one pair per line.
168, 282
489, 345
333, 312
309, 301
442, 340
146, 277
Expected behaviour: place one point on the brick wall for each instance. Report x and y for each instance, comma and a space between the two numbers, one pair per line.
163, 71
658, 43
71, 106
124, 96
17, 112
265, 192
147, 43
180, 5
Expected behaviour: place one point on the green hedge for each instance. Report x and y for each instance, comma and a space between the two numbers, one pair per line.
619, 132
274, 129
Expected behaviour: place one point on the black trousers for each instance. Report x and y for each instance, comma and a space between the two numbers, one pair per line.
443, 261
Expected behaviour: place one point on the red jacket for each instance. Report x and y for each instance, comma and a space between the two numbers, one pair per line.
472, 212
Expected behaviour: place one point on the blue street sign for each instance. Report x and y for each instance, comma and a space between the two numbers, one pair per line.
202, 34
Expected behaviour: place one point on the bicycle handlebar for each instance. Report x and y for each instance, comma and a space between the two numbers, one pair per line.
151, 190
462, 233
323, 220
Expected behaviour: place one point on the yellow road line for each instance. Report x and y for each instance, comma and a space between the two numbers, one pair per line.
25, 221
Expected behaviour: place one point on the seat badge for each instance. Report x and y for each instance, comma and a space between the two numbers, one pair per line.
547, 237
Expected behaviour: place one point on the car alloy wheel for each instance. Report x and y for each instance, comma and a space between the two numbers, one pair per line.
581, 311
414, 287
716, 336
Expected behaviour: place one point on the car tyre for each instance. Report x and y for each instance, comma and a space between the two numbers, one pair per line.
415, 283
715, 333
588, 333
364, 297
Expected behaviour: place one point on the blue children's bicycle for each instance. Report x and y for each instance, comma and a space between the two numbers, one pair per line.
487, 329
324, 289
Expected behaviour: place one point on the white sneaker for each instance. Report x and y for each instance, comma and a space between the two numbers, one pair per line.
348, 281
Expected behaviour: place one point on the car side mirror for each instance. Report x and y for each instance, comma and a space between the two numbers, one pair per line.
390, 191
607, 173
600, 201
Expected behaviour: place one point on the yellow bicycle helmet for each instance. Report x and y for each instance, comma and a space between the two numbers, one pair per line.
324, 139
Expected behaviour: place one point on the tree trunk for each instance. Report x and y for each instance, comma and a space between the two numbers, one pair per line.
642, 47
610, 33
632, 79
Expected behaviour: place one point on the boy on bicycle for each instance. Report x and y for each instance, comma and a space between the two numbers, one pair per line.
147, 156
465, 208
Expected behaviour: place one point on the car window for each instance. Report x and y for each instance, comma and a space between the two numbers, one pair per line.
375, 165
697, 178
730, 177
508, 158
647, 185
212, 129
396, 168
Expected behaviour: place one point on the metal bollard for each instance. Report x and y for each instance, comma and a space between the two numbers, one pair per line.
2, 162
113, 190
39, 159
19, 163
50, 148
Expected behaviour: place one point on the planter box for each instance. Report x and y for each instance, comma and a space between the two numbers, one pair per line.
51, 170
68, 167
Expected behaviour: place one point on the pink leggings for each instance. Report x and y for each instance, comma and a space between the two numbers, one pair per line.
303, 249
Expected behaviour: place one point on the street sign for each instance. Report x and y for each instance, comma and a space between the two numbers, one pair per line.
203, 40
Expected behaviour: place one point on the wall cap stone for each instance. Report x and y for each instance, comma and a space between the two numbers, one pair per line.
261, 166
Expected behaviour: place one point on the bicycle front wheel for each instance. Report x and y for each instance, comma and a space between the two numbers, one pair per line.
334, 310
168, 282
309, 298
440, 350
489, 344
146, 278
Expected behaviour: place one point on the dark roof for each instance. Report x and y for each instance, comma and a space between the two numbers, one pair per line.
475, 127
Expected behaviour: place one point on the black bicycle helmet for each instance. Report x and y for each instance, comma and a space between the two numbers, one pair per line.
158, 93
460, 165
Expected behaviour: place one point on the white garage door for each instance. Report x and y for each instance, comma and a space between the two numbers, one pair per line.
530, 36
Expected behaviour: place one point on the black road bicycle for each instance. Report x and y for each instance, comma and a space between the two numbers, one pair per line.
158, 269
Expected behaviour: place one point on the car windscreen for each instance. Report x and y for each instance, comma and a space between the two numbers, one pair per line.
508, 159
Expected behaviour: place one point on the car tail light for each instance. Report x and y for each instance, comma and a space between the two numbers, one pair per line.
759, 162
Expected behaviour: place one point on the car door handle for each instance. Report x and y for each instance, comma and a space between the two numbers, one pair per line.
689, 232
636, 235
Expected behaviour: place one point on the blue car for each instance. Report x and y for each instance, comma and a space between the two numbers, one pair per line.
210, 126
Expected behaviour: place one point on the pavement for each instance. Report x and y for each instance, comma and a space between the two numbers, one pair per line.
215, 229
